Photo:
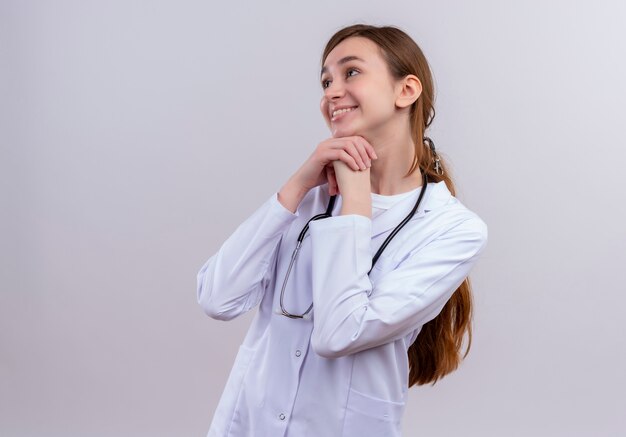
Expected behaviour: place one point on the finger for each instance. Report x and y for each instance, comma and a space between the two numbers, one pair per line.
341, 155
370, 149
348, 159
337, 151
363, 153
354, 151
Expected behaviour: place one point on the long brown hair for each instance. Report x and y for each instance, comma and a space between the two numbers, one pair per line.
436, 350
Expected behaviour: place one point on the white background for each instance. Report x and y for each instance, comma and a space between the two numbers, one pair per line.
136, 135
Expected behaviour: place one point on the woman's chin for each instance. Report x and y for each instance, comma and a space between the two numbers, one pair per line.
341, 131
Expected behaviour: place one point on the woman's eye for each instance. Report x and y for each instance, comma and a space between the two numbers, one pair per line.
324, 82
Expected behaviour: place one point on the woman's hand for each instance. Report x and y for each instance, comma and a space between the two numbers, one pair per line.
355, 189
354, 151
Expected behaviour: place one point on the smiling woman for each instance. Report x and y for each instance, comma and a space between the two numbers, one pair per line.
363, 326
339, 111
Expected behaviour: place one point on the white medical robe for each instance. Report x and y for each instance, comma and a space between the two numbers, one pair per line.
343, 371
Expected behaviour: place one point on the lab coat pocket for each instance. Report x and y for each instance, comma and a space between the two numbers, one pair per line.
224, 413
372, 417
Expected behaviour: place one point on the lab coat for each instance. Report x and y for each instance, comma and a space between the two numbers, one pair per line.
343, 371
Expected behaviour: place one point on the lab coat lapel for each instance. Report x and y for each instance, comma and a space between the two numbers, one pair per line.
437, 194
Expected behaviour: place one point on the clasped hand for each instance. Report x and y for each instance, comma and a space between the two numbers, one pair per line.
355, 189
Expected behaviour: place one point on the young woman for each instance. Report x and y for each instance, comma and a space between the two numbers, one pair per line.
359, 264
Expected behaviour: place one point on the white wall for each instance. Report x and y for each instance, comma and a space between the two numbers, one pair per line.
135, 136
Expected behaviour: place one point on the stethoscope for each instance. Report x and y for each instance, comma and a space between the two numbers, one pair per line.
327, 214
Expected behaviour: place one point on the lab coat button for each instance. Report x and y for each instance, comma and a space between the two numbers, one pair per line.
282, 416
298, 353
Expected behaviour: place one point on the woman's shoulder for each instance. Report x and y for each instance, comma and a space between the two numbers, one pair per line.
445, 208
443, 216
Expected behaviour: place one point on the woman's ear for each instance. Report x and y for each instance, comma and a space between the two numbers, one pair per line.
408, 89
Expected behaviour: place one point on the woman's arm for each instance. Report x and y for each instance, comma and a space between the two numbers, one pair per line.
234, 279
291, 194
350, 316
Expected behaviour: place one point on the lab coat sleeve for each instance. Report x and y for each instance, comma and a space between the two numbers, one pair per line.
234, 279
350, 316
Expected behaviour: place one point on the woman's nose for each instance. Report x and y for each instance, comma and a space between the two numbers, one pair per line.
334, 90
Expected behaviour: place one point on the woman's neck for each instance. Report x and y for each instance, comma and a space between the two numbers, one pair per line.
395, 156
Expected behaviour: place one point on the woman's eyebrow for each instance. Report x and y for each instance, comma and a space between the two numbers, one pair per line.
343, 61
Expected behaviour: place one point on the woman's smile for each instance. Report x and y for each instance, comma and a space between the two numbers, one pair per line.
342, 113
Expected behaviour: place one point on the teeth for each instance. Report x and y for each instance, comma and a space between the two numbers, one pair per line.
341, 111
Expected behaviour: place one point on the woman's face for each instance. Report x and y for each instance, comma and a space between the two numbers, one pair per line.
355, 75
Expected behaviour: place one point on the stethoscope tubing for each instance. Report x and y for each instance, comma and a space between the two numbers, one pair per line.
328, 213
